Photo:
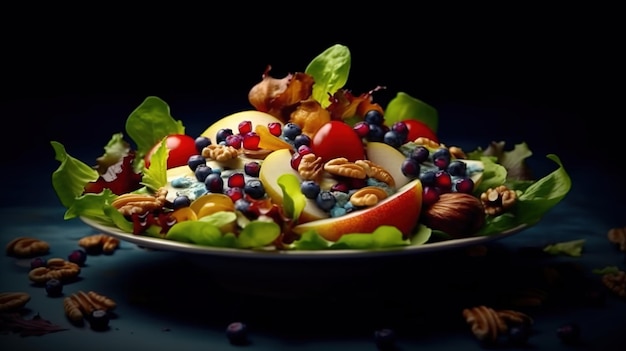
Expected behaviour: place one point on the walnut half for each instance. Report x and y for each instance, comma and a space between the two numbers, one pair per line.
498, 200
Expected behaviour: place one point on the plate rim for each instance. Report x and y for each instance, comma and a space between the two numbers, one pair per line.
176, 246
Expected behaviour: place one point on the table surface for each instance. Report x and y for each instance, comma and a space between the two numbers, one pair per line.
169, 300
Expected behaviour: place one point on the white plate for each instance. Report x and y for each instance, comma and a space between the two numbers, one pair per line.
170, 245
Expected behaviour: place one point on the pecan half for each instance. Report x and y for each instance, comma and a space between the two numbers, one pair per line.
13, 300
27, 247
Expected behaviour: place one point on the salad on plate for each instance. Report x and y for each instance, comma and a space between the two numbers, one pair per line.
310, 166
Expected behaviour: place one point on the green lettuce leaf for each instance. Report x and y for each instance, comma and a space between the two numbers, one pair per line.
493, 175
149, 123
70, 177
92, 206
294, 200
330, 70
404, 106
310, 240
570, 248
383, 237
155, 176
533, 203
258, 234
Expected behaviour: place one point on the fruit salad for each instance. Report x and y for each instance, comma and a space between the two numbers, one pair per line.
310, 166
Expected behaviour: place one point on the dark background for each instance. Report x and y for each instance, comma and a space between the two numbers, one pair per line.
546, 76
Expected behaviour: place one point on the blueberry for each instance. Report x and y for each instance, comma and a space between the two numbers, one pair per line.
237, 333
441, 158
221, 135
428, 178
291, 130
181, 201
310, 189
77, 256
325, 200
194, 161
252, 168
420, 154
376, 133
202, 142
519, 334
300, 140
568, 333
374, 117
385, 338
410, 168
99, 320
38, 262
214, 183
202, 172
54, 287
457, 168
393, 138
254, 188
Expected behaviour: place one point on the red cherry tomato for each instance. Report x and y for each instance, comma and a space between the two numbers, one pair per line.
180, 147
337, 139
419, 129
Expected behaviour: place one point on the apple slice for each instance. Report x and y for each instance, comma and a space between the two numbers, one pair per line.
401, 210
389, 158
232, 122
276, 164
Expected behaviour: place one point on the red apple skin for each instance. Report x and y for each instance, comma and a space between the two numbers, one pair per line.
419, 129
180, 146
337, 139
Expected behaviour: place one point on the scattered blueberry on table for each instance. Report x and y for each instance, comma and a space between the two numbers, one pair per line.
54, 287
237, 333
77, 256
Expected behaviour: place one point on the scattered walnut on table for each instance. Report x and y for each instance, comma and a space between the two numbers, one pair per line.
498, 200
27, 247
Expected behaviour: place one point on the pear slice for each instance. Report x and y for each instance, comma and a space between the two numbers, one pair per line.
390, 159
276, 164
232, 122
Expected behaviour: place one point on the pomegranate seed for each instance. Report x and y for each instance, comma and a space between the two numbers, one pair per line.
245, 127
236, 180
275, 128
234, 140
251, 141
235, 193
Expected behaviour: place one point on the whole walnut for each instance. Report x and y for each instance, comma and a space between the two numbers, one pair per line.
457, 214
